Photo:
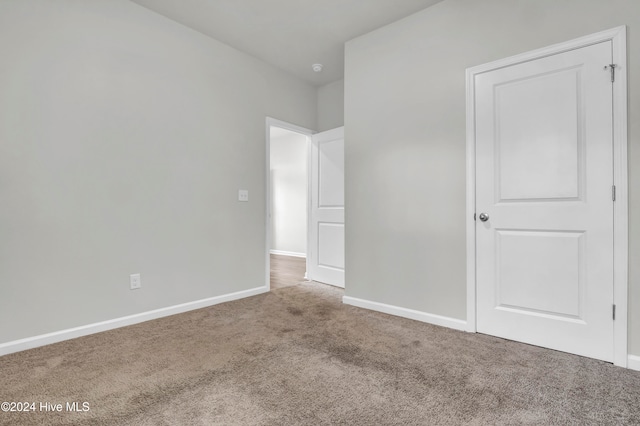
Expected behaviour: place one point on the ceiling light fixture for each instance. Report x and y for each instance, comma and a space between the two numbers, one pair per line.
316, 67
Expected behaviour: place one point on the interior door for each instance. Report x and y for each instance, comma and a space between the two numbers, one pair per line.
544, 176
326, 227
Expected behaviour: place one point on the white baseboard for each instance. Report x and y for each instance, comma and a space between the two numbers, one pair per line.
633, 362
72, 333
407, 313
288, 253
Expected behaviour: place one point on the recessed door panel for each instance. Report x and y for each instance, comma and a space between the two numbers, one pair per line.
331, 168
331, 235
540, 272
539, 138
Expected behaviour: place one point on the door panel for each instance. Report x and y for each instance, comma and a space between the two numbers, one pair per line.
331, 235
544, 172
326, 240
531, 265
331, 170
539, 138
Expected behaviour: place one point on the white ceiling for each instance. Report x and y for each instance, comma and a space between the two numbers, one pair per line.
290, 34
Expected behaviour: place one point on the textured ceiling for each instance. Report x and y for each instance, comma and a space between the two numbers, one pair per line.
289, 34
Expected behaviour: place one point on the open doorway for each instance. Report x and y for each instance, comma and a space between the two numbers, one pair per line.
287, 203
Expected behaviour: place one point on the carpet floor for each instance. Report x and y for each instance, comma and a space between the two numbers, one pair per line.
286, 271
298, 356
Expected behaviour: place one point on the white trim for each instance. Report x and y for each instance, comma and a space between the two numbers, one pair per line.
442, 321
620, 207
269, 122
471, 203
633, 362
72, 333
288, 253
608, 35
621, 228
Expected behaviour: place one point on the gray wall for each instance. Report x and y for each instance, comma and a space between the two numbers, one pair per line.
331, 106
405, 141
124, 138
289, 188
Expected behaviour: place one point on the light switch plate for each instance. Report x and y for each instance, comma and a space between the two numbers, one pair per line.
243, 195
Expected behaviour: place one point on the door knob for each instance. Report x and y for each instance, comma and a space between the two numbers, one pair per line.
484, 217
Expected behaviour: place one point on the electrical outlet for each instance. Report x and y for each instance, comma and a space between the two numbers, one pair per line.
243, 195
135, 281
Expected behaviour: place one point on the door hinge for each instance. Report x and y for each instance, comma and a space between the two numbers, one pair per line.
614, 312
612, 69
613, 192
474, 216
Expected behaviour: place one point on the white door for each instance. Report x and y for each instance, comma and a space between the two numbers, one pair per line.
544, 176
326, 219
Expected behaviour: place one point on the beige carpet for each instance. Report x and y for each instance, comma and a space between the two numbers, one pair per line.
297, 356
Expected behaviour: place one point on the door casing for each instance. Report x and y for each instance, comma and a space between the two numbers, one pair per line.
297, 129
620, 229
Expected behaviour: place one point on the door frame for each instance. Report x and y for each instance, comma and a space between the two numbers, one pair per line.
269, 122
618, 37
